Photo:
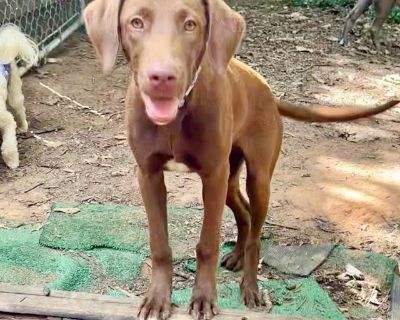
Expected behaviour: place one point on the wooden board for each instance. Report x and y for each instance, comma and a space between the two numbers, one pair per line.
85, 306
395, 299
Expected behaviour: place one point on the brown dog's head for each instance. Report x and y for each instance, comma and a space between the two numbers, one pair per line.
164, 41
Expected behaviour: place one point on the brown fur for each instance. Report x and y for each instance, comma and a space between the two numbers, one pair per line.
231, 118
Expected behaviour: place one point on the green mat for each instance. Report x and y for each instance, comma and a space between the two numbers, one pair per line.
96, 226
24, 262
300, 298
117, 227
377, 266
100, 248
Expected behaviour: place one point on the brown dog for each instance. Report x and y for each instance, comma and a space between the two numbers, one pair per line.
382, 9
190, 102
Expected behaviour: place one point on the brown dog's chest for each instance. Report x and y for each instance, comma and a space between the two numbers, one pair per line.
187, 145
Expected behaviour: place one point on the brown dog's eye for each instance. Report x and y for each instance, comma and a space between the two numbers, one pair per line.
137, 23
190, 25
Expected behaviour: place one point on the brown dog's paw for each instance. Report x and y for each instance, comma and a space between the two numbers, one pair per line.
155, 306
203, 306
250, 295
233, 260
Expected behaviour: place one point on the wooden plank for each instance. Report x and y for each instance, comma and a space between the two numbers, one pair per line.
35, 291
34, 301
8, 316
395, 299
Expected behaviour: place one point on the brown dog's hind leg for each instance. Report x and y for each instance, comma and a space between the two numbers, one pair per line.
258, 189
261, 154
241, 209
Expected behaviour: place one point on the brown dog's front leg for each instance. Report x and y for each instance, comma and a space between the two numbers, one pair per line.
157, 303
204, 298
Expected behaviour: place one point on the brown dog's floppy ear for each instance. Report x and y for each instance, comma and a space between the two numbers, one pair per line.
101, 20
227, 30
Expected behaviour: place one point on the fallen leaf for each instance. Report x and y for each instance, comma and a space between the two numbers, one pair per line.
262, 278
303, 49
52, 144
48, 143
68, 210
318, 79
276, 204
260, 262
51, 101
120, 137
325, 225
354, 272
332, 38
373, 299
118, 174
365, 49
54, 60
393, 78
92, 160
267, 299
298, 16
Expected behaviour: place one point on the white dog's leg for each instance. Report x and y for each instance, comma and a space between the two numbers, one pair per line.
16, 99
9, 147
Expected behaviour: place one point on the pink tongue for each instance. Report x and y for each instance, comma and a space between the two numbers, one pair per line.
161, 111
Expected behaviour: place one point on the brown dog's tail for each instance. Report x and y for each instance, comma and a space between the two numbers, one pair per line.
330, 114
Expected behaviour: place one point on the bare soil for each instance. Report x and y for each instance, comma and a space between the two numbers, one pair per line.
334, 182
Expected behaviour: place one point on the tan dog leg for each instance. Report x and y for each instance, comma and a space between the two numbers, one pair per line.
9, 148
16, 99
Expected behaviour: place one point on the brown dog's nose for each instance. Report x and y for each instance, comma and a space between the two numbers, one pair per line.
162, 77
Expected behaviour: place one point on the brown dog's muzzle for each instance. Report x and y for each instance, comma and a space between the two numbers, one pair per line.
160, 91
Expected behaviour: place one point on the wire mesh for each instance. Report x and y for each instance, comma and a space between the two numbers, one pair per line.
42, 20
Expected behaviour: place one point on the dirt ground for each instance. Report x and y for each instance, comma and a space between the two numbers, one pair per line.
334, 182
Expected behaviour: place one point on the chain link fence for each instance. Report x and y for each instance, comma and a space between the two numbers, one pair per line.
47, 22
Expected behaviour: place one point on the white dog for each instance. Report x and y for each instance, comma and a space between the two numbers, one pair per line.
13, 44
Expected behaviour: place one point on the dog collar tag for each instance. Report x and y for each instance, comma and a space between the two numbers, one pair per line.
5, 70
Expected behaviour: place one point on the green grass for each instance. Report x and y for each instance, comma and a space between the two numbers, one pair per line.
322, 3
394, 16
